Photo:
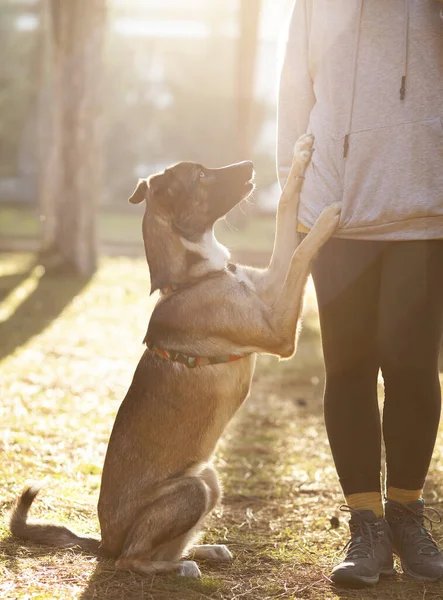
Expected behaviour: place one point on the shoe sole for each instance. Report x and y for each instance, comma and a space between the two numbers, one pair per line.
417, 576
410, 573
357, 581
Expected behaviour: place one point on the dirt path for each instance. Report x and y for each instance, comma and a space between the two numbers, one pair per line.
60, 390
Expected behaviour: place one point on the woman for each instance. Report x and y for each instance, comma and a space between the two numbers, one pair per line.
366, 78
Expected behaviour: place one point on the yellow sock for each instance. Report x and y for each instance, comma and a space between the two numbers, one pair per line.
366, 501
404, 496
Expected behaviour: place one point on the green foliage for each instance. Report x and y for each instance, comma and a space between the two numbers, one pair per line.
123, 229
19, 80
165, 100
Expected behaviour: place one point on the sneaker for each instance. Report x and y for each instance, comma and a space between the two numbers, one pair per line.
368, 552
412, 541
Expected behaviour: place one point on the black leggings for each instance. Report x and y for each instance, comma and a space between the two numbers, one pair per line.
381, 307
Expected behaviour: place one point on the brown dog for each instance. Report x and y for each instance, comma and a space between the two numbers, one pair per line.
212, 317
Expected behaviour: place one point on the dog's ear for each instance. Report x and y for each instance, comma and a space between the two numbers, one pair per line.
160, 184
140, 192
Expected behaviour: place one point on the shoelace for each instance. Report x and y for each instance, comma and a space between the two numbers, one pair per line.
363, 535
420, 534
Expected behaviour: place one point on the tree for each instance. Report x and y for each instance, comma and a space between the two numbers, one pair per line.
249, 20
71, 129
247, 55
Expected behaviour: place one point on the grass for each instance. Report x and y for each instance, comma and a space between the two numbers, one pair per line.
123, 228
68, 350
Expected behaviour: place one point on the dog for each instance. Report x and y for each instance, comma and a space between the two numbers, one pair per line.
211, 320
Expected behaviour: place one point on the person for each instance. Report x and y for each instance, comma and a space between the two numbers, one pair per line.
366, 78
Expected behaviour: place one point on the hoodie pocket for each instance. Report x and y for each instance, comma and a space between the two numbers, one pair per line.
394, 174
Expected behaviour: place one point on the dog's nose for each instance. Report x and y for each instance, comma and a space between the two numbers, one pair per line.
247, 163
244, 163
247, 166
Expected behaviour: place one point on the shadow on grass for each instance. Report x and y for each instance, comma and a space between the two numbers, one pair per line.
8, 553
256, 494
9, 282
106, 582
53, 291
110, 584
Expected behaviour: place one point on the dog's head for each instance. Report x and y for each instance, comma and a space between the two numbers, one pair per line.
191, 197
182, 205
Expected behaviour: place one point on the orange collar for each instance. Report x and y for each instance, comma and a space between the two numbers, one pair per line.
195, 361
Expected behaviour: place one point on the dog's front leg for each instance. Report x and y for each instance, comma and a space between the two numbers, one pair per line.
268, 324
286, 237
286, 309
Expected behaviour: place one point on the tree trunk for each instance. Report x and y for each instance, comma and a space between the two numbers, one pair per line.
48, 131
247, 54
71, 166
249, 21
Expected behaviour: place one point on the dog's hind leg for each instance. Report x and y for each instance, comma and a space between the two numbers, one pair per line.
213, 552
185, 545
165, 527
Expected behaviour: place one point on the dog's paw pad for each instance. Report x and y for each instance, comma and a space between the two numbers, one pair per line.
304, 147
189, 568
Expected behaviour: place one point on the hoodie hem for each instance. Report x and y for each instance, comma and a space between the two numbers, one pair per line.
419, 228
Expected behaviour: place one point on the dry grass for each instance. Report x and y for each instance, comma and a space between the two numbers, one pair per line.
70, 348
123, 228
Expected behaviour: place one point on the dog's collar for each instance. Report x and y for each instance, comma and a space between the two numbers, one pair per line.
173, 287
195, 361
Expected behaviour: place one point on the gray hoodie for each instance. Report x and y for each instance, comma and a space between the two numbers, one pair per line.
366, 78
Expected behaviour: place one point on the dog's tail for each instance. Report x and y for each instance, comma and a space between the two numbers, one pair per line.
48, 534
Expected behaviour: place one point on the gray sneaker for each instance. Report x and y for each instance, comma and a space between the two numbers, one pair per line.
368, 552
412, 541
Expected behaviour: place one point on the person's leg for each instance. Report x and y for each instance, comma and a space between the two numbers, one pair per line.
347, 280
410, 334
411, 330
346, 275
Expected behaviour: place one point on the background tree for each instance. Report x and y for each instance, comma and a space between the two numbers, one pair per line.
71, 130
249, 21
247, 57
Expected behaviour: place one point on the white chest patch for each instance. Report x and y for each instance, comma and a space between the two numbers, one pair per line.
210, 249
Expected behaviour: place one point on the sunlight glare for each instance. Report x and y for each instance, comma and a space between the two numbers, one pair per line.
19, 294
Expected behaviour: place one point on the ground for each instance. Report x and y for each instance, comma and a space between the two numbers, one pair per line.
120, 230
68, 349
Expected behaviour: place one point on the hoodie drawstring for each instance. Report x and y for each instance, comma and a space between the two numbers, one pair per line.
406, 52
354, 79
354, 68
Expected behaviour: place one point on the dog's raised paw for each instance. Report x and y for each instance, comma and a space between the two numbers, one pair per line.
216, 552
329, 219
189, 568
304, 147
333, 210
